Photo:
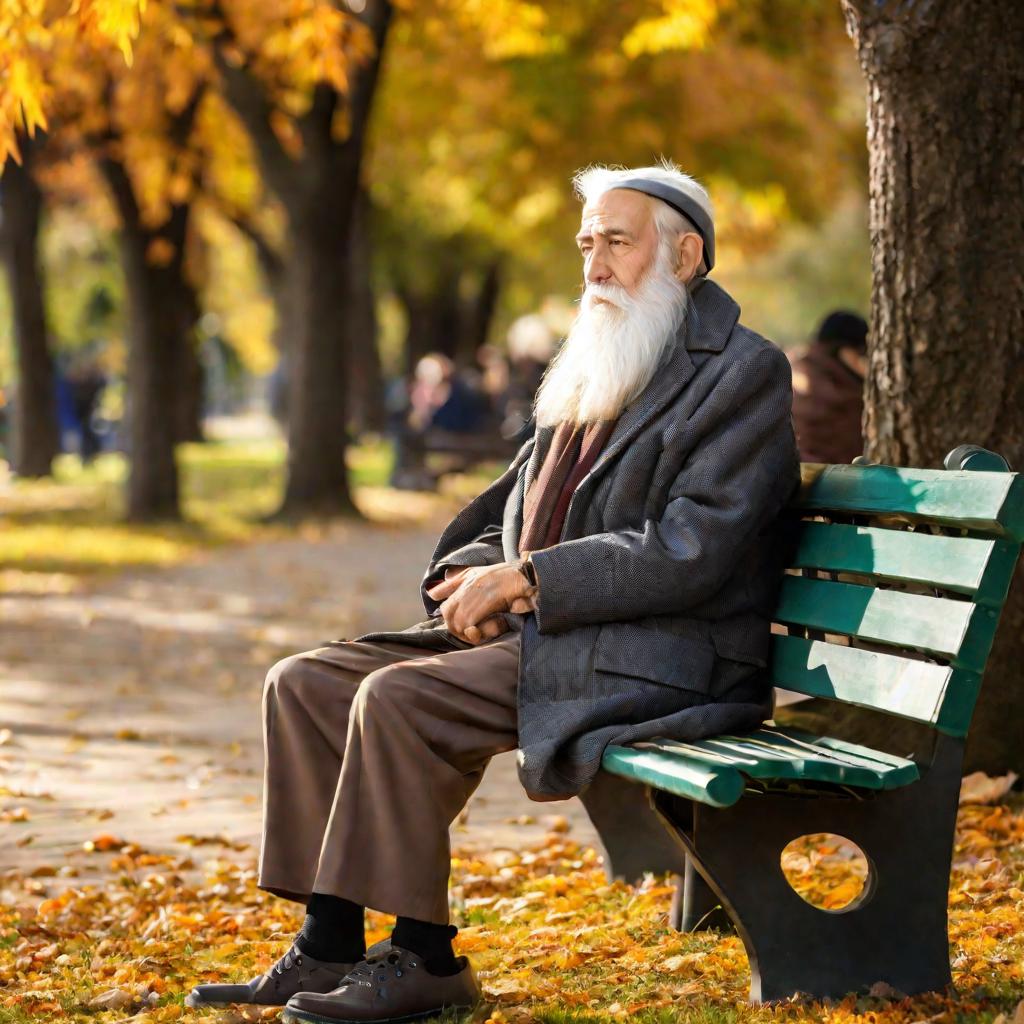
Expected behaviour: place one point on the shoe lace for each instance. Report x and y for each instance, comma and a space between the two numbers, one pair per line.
293, 958
363, 972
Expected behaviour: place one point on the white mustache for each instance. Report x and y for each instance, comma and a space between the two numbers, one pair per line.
613, 293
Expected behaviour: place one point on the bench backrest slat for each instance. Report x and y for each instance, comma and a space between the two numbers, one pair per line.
937, 695
974, 566
989, 503
957, 631
875, 640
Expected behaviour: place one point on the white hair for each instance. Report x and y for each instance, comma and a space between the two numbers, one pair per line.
592, 182
614, 347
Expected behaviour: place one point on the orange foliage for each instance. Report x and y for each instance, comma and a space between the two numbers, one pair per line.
546, 932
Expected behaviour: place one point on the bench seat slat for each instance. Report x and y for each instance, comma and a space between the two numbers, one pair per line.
982, 502
712, 770
879, 757
825, 754
773, 755
717, 785
919, 690
959, 631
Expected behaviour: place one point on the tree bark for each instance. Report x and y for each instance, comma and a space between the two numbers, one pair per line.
945, 88
366, 388
318, 190
191, 379
433, 318
34, 431
478, 311
155, 348
318, 361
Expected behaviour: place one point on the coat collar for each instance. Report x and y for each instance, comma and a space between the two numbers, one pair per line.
712, 315
710, 318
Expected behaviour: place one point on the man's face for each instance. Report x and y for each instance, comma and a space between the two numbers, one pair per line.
618, 239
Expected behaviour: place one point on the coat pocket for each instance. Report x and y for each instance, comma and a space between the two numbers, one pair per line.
745, 647
625, 649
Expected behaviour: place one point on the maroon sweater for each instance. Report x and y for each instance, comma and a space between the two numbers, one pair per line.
573, 451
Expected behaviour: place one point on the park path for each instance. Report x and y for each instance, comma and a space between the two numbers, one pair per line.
130, 704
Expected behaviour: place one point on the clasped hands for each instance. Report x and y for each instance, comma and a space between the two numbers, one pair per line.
473, 597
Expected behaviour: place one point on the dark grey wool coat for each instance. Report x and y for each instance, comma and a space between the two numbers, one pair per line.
654, 606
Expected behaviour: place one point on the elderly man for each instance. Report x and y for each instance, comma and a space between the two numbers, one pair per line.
613, 584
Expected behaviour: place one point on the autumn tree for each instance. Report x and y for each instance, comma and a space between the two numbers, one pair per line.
27, 34
34, 429
301, 81
485, 113
139, 124
945, 88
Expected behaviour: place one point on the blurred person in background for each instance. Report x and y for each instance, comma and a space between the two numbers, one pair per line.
491, 379
531, 346
442, 407
86, 382
828, 390
442, 398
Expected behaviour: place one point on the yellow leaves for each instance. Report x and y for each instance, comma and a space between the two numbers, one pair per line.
685, 25
23, 98
295, 45
577, 945
114, 20
510, 28
28, 33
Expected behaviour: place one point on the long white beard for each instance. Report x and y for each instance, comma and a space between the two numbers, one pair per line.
613, 348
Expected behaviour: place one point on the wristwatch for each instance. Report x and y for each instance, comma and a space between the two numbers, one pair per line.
527, 569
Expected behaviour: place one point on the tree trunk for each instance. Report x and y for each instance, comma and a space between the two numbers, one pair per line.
34, 431
945, 87
317, 363
434, 319
191, 379
366, 389
318, 190
155, 349
478, 312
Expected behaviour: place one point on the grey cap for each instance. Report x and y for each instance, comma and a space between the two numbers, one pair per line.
686, 205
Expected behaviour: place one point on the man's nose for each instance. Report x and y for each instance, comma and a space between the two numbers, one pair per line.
597, 270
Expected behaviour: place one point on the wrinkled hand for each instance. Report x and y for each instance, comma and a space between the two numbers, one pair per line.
471, 599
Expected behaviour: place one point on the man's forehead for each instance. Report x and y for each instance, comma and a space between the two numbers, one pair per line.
618, 208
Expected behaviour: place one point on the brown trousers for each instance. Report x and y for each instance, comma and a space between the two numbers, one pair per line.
371, 751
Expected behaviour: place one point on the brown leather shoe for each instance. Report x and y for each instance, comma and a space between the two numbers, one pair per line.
294, 972
387, 989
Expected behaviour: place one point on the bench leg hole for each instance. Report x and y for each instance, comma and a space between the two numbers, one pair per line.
828, 871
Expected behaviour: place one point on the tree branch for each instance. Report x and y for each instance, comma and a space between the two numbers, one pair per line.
248, 95
377, 18
270, 258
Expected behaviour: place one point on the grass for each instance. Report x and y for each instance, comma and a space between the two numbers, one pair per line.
72, 524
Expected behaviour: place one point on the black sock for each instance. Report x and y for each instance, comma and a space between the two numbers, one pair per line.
333, 930
433, 942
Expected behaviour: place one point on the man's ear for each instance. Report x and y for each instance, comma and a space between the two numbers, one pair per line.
690, 253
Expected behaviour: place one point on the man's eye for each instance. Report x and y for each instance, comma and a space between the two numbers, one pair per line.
618, 241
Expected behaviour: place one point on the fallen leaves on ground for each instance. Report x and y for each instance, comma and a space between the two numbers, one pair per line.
979, 788
551, 939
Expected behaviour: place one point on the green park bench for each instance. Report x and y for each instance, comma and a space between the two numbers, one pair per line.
891, 604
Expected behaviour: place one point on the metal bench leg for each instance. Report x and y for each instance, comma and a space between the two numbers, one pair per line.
632, 835
695, 907
895, 932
